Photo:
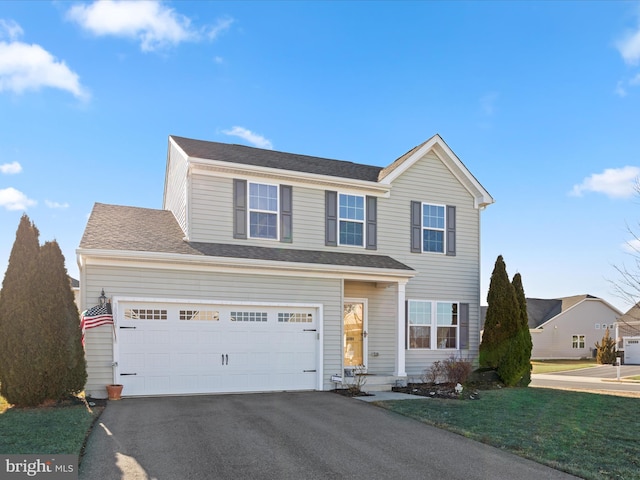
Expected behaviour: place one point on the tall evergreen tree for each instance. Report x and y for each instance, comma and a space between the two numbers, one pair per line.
20, 364
62, 324
501, 322
41, 356
525, 342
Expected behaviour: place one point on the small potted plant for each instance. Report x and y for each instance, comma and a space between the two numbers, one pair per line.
114, 391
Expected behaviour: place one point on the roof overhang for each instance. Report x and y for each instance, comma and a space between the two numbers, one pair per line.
221, 168
170, 261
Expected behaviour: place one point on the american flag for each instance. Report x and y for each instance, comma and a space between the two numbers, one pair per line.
95, 316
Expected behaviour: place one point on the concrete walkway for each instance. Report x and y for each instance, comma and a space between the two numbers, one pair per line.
382, 396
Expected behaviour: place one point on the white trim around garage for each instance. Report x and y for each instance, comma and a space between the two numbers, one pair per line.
118, 348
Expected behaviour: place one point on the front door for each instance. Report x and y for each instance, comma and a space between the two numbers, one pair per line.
355, 334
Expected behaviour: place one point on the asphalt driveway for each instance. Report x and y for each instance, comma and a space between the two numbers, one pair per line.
305, 435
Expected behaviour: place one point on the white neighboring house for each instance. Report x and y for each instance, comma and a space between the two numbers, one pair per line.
271, 271
75, 288
568, 327
628, 336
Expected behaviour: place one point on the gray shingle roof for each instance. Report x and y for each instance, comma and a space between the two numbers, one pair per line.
273, 159
541, 310
115, 227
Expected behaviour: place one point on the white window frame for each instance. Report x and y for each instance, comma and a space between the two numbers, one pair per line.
576, 341
433, 326
257, 210
363, 221
423, 228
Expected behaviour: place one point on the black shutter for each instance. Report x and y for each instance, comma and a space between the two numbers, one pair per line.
239, 208
372, 223
416, 227
464, 325
451, 230
331, 218
286, 217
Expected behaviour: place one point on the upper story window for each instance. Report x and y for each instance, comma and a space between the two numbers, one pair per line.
433, 228
263, 211
351, 217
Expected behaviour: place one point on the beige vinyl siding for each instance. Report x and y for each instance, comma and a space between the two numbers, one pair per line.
176, 188
554, 340
212, 216
197, 285
440, 277
381, 317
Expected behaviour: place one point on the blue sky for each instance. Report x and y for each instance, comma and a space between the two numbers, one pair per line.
540, 100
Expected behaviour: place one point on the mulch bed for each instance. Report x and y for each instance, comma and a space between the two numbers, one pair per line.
440, 390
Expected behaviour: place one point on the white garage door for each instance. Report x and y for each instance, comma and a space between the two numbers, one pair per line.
165, 348
631, 350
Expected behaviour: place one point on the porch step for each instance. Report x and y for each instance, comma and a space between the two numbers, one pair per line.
379, 383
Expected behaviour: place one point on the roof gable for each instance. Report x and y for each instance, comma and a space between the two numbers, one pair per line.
438, 146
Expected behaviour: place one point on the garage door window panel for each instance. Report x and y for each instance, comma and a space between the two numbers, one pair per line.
295, 317
249, 316
200, 315
145, 314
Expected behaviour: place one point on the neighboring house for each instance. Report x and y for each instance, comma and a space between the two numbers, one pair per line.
75, 288
627, 335
269, 271
567, 327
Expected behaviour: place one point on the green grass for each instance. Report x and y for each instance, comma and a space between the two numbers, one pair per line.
589, 435
550, 366
51, 430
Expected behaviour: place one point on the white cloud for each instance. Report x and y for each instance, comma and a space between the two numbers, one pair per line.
10, 168
620, 90
31, 67
152, 23
629, 47
10, 29
51, 204
221, 26
253, 138
613, 182
632, 246
13, 199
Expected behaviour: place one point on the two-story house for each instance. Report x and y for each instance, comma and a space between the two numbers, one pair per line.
270, 271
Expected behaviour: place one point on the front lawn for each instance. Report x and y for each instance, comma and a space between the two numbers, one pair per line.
588, 435
50, 430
